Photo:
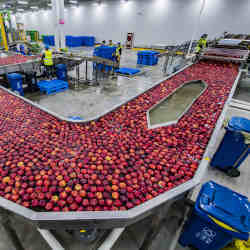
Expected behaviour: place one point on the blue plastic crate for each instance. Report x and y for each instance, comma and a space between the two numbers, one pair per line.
147, 57
127, 71
52, 87
107, 53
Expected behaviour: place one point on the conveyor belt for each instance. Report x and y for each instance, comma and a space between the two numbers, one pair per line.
118, 145
224, 54
14, 62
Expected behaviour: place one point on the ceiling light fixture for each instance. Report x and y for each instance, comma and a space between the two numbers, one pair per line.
22, 2
34, 7
73, 1
21, 10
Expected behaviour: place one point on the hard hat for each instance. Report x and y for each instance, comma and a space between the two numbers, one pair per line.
47, 47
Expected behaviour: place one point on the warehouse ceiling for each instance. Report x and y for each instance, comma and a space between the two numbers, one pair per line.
16, 5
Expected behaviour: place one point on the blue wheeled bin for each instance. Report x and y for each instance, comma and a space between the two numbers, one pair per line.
219, 216
233, 149
61, 72
16, 82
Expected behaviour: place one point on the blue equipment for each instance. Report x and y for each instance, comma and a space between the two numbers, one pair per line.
233, 150
219, 216
16, 82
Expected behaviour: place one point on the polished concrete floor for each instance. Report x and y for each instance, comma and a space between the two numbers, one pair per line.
88, 103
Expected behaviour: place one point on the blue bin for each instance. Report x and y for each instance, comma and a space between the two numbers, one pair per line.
147, 57
220, 215
22, 49
233, 150
16, 82
61, 72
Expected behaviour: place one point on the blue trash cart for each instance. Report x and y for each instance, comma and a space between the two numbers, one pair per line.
219, 216
16, 82
233, 149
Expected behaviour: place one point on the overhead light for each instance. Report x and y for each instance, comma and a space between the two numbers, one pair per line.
20, 10
22, 2
73, 1
34, 7
49, 4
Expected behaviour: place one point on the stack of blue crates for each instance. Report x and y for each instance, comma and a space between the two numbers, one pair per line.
53, 86
88, 40
71, 41
49, 40
147, 57
78, 41
107, 53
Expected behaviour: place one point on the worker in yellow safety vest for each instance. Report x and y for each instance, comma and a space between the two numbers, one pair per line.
103, 43
47, 59
111, 43
202, 44
118, 52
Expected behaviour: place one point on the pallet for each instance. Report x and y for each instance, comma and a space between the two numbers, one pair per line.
53, 87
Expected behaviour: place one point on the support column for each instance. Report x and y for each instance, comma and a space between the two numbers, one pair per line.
55, 13
61, 23
58, 13
197, 25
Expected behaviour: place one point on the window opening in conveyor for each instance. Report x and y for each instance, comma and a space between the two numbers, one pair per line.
172, 108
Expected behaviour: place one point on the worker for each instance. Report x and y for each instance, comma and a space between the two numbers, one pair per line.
111, 43
225, 34
118, 52
103, 43
47, 59
202, 44
119, 48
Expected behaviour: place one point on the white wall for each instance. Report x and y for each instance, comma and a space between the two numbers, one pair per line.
153, 21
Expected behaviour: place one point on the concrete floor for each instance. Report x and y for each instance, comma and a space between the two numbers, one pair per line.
90, 102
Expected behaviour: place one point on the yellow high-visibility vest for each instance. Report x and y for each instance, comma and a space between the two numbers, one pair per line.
48, 59
117, 52
202, 43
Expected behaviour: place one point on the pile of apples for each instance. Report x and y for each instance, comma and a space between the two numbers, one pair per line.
114, 163
10, 60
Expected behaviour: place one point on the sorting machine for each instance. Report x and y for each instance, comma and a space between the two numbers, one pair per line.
118, 220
